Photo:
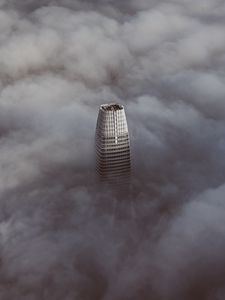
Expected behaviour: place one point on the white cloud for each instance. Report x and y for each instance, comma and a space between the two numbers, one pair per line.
60, 236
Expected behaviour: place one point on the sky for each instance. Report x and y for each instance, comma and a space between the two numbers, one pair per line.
62, 236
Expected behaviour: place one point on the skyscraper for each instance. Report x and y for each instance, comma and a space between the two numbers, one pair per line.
112, 144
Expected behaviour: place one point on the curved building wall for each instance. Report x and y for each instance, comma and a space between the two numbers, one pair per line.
112, 144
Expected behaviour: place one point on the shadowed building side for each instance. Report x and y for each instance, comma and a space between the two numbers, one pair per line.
112, 145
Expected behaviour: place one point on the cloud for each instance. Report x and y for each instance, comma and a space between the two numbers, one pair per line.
63, 236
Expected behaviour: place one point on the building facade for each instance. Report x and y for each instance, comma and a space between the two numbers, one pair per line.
112, 144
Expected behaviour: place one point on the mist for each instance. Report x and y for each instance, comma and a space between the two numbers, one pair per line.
64, 236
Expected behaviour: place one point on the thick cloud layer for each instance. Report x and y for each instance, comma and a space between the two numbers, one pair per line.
61, 235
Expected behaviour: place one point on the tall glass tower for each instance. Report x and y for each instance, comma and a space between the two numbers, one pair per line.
112, 144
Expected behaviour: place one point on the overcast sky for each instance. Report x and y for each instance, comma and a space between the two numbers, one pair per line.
63, 237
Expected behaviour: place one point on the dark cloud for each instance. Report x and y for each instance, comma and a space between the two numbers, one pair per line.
62, 236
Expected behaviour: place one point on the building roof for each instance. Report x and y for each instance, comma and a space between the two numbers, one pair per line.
111, 107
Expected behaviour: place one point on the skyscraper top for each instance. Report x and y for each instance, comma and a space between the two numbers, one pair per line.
111, 107
112, 144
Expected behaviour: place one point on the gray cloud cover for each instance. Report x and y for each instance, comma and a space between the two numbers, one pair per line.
61, 236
